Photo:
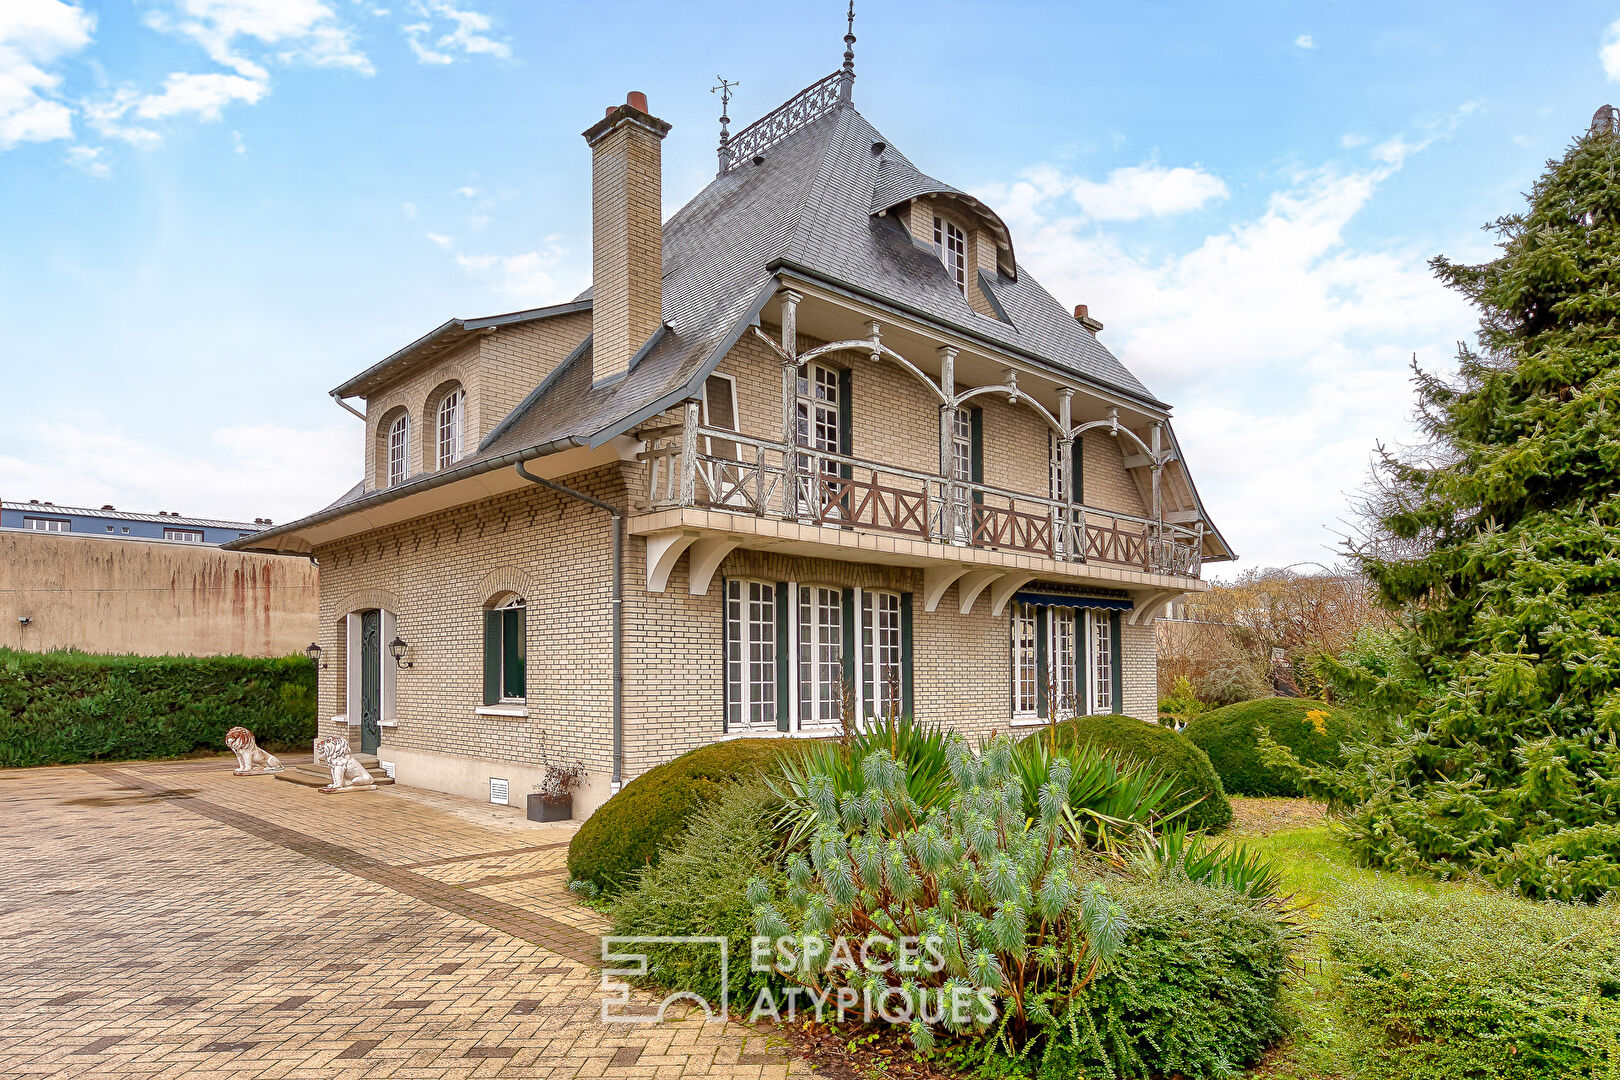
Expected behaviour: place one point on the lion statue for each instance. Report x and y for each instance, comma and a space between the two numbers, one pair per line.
347, 773
250, 760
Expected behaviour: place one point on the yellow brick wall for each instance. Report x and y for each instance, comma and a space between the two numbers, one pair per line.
420, 394
515, 359
627, 263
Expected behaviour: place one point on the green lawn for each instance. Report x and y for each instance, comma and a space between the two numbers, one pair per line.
1315, 867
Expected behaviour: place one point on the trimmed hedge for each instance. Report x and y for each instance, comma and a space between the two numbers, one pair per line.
628, 831
1196, 990
1469, 984
1160, 748
1230, 736
61, 708
700, 886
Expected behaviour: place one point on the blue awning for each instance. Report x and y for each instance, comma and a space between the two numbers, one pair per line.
1098, 603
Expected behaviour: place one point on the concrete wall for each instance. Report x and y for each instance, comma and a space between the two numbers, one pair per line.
152, 598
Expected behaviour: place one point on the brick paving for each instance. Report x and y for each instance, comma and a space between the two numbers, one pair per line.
171, 920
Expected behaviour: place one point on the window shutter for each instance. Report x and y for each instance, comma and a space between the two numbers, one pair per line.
849, 656
846, 421
905, 656
783, 721
1119, 662
1077, 466
725, 655
492, 657
1042, 620
976, 451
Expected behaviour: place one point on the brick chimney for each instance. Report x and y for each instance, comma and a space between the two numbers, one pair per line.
627, 233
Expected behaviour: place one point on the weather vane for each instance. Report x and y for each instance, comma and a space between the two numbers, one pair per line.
849, 41
724, 90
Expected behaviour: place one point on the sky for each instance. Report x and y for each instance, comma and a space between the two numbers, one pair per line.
214, 211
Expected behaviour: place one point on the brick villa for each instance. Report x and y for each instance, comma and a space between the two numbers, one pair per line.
816, 444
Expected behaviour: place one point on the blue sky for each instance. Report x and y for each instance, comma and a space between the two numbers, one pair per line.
214, 211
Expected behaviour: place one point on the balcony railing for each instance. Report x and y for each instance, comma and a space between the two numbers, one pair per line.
718, 469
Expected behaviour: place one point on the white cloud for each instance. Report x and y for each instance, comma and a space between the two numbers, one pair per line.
1137, 191
439, 239
529, 276
409, 210
1285, 345
443, 31
87, 159
467, 192
34, 35
232, 472
304, 31
1609, 54
204, 96
1305, 41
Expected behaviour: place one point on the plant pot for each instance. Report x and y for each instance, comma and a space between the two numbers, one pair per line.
543, 809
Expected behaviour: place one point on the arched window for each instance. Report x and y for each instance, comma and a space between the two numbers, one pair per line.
451, 408
399, 449
506, 650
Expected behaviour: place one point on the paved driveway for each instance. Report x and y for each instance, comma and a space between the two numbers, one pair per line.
173, 920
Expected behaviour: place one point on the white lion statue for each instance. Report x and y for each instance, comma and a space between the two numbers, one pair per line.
347, 773
250, 760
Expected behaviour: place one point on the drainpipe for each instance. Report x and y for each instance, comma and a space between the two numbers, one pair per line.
346, 405
618, 609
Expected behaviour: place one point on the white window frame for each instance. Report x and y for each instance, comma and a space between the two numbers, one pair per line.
819, 423
184, 536
399, 449
45, 524
820, 621
1063, 629
950, 244
513, 603
1100, 662
751, 654
1025, 671
451, 419
882, 647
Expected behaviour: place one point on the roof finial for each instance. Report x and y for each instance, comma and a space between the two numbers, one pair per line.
847, 91
724, 90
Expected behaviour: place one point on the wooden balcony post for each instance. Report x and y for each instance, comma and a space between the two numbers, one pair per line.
790, 400
1158, 504
1066, 439
689, 436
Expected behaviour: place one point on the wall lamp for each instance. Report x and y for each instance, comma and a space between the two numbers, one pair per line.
396, 649
23, 620
314, 654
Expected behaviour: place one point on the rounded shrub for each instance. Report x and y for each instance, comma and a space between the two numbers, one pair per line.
648, 814
1159, 748
1230, 736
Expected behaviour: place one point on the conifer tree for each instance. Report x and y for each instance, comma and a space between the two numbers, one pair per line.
1499, 543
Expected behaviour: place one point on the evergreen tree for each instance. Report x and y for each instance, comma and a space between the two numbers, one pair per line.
1499, 543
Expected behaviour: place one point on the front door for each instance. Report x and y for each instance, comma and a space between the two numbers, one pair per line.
370, 681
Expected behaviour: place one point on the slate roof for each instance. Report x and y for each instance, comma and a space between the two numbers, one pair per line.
810, 207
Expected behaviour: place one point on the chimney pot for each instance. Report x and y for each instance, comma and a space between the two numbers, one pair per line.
636, 100
1080, 311
609, 111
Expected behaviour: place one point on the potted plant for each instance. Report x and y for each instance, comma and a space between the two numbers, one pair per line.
553, 797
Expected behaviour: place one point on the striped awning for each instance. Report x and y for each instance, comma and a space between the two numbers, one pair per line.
1097, 603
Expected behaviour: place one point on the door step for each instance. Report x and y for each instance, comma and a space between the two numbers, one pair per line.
312, 775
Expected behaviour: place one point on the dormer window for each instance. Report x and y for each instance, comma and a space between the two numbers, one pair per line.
950, 244
399, 449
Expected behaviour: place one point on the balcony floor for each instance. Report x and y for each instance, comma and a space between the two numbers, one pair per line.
672, 530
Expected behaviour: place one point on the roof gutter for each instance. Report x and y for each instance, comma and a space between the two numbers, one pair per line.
616, 523
339, 399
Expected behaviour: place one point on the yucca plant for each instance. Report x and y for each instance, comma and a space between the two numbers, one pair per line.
1002, 894
1111, 797
1232, 866
918, 748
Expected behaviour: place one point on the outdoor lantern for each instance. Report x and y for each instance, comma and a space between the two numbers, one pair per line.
396, 649
314, 653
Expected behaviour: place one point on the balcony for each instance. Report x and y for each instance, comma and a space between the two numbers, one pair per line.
732, 477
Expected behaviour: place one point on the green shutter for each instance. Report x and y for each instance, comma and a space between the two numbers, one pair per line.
846, 421
1042, 616
1119, 662
1077, 467
849, 657
725, 655
783, 661
512, 653
906, 634
492, 657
